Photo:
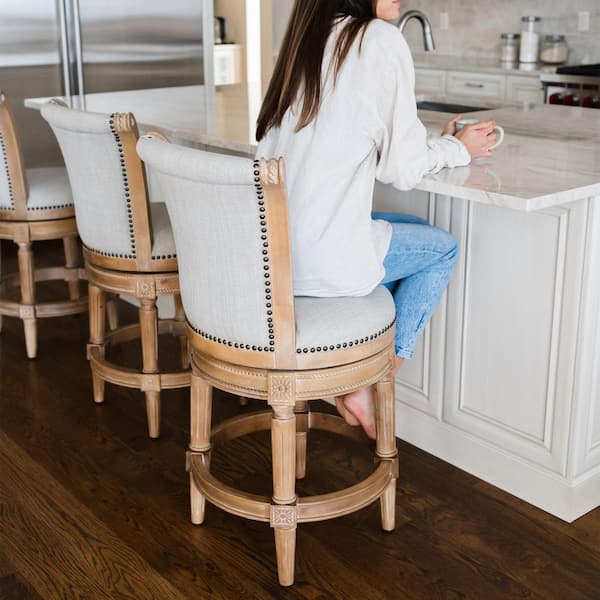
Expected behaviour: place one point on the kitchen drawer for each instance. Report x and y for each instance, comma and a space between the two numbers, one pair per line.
479, 85
430, 81
524, 90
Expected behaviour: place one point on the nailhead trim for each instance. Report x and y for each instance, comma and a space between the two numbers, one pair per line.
49, 207
117, 138
267, 276
8, 179
343, 345
164, 256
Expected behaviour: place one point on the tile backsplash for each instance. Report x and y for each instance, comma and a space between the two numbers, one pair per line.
475, 25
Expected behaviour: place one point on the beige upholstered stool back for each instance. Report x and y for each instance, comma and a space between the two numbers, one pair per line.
13, 184
108, 183
235, 284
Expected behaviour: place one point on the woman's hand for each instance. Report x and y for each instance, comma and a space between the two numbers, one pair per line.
450, 126
478, 138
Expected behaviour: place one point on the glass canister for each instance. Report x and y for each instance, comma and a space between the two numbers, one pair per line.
554, 49
530, 40
509, 50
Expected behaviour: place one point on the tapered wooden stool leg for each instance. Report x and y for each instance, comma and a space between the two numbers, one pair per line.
71, 249
386, 445
112, 311
26, 280
283, 517
149, 330
97, 334
183, 344
200, 416
301, 439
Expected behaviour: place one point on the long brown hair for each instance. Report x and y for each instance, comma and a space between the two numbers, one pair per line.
301, 55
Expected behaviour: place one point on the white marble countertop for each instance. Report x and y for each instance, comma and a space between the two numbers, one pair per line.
551, 155
447, 62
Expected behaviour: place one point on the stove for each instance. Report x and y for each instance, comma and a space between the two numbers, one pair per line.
573, 85
585, 70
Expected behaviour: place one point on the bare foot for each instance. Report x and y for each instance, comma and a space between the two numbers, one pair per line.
361, 405
348, 416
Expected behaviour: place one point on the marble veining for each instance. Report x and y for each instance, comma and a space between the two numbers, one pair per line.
551, 155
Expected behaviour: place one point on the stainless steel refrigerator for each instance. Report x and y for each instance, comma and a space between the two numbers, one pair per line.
63, 47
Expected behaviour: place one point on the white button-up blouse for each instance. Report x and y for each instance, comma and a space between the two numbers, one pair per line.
366, 128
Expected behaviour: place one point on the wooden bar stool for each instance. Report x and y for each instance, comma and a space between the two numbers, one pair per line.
128, 248
35, 204
248, 335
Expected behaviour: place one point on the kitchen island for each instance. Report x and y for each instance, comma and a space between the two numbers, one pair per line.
505, 382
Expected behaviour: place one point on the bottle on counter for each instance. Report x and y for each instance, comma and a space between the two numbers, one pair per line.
509, 51
530, 40
554, 49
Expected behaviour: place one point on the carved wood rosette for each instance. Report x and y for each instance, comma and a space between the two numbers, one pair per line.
281, 389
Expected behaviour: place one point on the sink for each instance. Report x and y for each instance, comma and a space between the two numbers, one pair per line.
448, 107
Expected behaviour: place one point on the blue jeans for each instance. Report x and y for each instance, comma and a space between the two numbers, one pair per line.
418, 266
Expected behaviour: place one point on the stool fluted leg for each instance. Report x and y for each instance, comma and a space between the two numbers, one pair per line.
97, 334
200, 417
183, 344
149, 330
301, 438
283, 520
26, 280
112, 312
386, 444
71, 250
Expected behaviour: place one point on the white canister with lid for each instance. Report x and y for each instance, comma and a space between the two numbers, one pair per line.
530, 40
509, 49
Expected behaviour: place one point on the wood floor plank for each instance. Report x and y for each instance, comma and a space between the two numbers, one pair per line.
114, 493
69, 553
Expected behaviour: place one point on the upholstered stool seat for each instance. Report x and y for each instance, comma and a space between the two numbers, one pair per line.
35, 205
49, 189
345, 324
128, 248
249, 336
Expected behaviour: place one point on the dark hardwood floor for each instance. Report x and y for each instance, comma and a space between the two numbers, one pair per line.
90, 507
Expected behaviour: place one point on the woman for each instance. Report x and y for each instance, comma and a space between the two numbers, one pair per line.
341, 110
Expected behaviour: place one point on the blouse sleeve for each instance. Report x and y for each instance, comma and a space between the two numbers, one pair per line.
405, 151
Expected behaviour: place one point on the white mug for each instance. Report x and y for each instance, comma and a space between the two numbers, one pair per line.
499, 130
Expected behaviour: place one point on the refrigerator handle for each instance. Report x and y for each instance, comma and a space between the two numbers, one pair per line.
78, 48
64, 47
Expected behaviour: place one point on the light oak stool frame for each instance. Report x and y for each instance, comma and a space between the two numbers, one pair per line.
23, 227
197, 186
287, 381
141, 275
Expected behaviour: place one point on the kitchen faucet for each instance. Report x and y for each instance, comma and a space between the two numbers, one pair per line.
425, 24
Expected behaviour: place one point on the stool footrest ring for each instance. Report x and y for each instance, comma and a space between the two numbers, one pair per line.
308, 509
134, 378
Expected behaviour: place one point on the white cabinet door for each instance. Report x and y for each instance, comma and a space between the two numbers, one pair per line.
475, 85
512, 325
430, 81
524, 90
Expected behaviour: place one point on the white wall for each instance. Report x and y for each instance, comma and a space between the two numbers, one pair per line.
281, 13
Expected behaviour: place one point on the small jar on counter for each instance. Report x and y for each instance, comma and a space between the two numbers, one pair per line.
554, 49
530, 40
509, 51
